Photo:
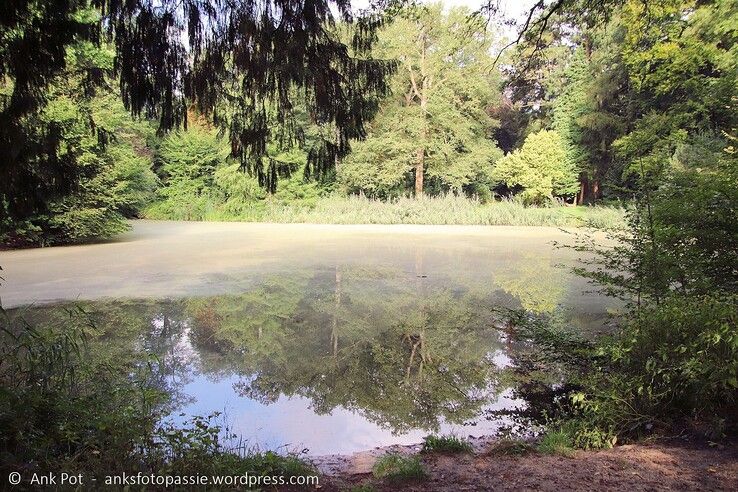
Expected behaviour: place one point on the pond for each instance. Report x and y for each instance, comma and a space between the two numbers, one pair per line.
329, 339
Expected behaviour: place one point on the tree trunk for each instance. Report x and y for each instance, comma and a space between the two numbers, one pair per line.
419, 169
423, 96
589, 191
582, 190
337, 299
420, 162
596, 190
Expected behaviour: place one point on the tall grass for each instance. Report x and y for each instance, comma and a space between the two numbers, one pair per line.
397, 468
457, 210
446, 444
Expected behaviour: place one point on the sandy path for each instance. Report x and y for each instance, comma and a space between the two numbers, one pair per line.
673, 465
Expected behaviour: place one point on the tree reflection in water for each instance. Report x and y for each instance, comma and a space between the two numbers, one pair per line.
404, 348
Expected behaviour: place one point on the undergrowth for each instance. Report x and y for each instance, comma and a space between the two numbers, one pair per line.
63, 410
446, 444
336, 209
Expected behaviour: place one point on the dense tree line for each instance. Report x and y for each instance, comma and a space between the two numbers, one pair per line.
244, 63
648, 91
593, 99
434, 134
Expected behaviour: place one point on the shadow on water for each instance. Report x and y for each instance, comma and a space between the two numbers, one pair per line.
339, 358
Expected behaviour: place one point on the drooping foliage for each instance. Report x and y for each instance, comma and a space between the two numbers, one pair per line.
254, 55
108, 166
34, 37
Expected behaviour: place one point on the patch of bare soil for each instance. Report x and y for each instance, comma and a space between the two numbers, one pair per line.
671, 465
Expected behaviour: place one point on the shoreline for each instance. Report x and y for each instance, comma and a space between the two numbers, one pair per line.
663, 464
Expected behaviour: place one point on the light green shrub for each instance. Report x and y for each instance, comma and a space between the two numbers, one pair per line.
540, 167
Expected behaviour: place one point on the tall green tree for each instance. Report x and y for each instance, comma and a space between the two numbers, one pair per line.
435, 126
568, 108
110, 164
682, 68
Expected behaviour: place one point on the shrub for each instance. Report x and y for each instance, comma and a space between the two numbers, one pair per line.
187, 162
197, 446
378, 167
681, 358
540, 167
239, 193
674, 361
64, 410
60, 408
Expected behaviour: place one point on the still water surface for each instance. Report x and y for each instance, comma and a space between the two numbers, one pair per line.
332, 339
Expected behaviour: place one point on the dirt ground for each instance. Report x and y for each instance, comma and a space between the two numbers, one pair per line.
672, 465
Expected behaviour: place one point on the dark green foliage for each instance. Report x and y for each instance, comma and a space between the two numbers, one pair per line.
682, 74
694, 220
682, 356
170, 54
108, 165
626, 90
674, 361
34, 37
681, 239
113, 184
673, 365
58, 407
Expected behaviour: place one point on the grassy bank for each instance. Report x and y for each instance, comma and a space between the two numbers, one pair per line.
360, 210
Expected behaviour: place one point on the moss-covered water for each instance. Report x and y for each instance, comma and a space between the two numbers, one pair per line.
322, 338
